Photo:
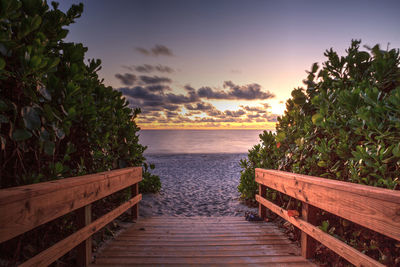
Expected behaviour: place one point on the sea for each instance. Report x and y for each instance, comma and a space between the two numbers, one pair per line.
199, 171
198, 141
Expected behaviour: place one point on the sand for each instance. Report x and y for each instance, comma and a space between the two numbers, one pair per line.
195, 185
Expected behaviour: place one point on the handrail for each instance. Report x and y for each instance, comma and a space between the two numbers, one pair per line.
24, 208
374, 208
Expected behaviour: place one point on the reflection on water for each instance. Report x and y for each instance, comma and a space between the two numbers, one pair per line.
198, 141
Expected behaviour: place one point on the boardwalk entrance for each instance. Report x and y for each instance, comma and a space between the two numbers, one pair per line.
201, 241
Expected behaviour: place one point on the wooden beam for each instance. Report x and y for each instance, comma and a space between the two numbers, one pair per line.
23, 208
135, 209
308, 244
84, 249
59, 249
262, 211
349, 253
375, 208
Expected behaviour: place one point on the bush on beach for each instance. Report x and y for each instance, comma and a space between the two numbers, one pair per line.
57, 117
345, 125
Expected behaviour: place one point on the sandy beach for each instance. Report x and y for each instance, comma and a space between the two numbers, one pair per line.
195, 185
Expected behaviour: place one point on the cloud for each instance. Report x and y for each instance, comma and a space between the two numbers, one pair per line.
189, 88
271, 117
157, 50
146, 68
127, 78
248, 92
209, 93
254, 109
143, 51
154, 79
244, 92
200, 106
158, 88
266, 105
154, 98
238, 113
181, 99
161, 105
253, 116
161, 50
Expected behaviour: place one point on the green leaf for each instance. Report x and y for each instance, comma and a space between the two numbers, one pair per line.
280, 136
49, 148
317, 118
396, 150
314, 67
31, 118
58, 167
53, 62
36, 21
2, 63
321, 163
35, 62
21, 135
324, 226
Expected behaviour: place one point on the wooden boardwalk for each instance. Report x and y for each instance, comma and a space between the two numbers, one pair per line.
201, 241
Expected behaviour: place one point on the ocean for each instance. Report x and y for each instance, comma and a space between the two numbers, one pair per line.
199, 171
198, 141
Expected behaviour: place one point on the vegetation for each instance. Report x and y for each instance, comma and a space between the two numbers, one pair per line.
344, 125
57, 117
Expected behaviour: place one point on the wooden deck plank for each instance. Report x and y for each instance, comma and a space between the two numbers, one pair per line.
197, 253
271, 264
211, 241
201, 260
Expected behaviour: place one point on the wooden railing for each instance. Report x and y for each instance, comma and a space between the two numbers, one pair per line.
25, 207
374, 208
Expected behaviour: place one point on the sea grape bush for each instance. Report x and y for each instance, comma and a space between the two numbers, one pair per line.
344, 125
57, 117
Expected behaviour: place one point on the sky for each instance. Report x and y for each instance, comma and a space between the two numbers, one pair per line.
221, 64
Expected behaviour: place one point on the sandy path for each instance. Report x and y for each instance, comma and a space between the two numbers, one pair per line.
195, 185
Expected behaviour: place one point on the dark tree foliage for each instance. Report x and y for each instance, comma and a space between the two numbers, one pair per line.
345, 125
57, 117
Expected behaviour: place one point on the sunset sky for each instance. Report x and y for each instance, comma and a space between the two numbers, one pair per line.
221, 64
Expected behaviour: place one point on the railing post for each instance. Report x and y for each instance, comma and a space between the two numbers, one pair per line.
308, 244
262, 211
84, 249
135, 209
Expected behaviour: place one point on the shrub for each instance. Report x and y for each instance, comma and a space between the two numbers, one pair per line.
57, 117
344, 125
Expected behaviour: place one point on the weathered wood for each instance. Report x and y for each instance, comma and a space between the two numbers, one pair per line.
244, 252
135, 209
344, 250
26, 207
137, 242
201, 249
84, 249
205, 246
371, 207
270, 264
161, 236
262, 211
308, 244
282, 260
59, 249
